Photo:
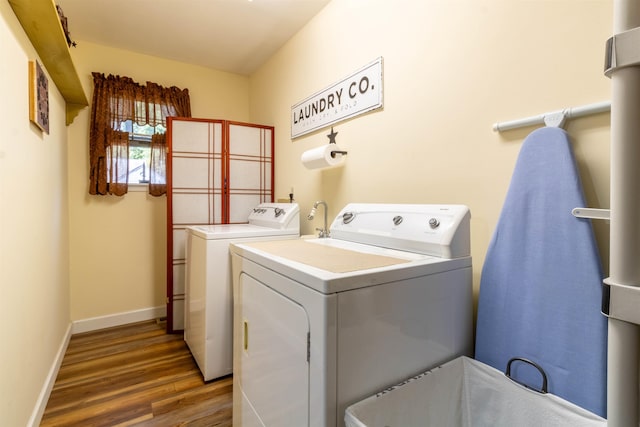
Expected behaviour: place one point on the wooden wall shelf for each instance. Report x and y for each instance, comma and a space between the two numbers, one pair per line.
40, 21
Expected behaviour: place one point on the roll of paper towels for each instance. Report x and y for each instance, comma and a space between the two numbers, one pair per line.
318, 158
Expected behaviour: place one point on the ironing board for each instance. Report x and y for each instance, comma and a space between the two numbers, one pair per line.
540, 289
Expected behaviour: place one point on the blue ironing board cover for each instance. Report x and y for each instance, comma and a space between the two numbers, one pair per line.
540, 289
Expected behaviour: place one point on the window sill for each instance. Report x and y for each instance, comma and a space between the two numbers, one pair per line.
138, 188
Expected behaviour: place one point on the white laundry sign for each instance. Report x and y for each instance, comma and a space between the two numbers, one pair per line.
356, 94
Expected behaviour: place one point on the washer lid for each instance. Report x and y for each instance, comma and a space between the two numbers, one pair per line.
266, 219
235, 231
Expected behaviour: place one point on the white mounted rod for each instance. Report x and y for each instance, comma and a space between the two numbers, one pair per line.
623, 346
541, 119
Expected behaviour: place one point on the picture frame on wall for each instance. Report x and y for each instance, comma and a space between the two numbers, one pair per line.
38, 96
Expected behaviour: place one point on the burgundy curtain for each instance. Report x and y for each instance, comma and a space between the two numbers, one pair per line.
119, 99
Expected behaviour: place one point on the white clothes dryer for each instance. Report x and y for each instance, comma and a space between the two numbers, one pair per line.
321, 323
208, 287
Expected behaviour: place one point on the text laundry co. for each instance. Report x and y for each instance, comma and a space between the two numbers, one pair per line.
354, 95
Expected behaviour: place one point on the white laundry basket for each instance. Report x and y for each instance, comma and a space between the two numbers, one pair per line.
465, 392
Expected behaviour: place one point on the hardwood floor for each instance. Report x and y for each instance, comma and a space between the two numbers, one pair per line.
135, 375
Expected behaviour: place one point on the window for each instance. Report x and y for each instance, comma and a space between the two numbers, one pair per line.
139, 150
127, 141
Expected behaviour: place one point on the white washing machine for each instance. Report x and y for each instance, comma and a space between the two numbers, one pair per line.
208, 288
322, 323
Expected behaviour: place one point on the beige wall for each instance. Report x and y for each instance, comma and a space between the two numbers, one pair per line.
118, 244
451, 69
34, 228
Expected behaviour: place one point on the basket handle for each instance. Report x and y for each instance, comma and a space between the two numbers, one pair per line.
543, 389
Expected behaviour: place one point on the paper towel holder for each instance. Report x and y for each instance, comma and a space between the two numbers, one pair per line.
332, 140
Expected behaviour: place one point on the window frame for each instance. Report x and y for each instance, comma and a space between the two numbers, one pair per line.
141, 140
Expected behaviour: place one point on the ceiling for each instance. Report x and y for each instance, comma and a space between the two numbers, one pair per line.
229, 35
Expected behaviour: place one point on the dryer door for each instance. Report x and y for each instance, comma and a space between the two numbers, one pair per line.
274, 367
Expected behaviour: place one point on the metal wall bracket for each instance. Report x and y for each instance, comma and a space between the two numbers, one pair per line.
591, 213
622, 51
621, 301
556, 119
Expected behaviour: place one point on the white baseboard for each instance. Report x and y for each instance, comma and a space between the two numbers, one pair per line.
102, 322
86, 325
43, 398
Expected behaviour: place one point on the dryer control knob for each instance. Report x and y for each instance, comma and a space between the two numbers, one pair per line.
397, 220
434, 223
278, 211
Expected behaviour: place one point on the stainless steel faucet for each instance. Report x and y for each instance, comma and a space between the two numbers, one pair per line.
322, 232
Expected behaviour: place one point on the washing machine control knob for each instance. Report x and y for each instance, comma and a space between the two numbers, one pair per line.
397, 220
347, 217
278, 212
434, 223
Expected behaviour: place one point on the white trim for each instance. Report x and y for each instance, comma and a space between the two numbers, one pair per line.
43, 398
86, 325
117, 319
